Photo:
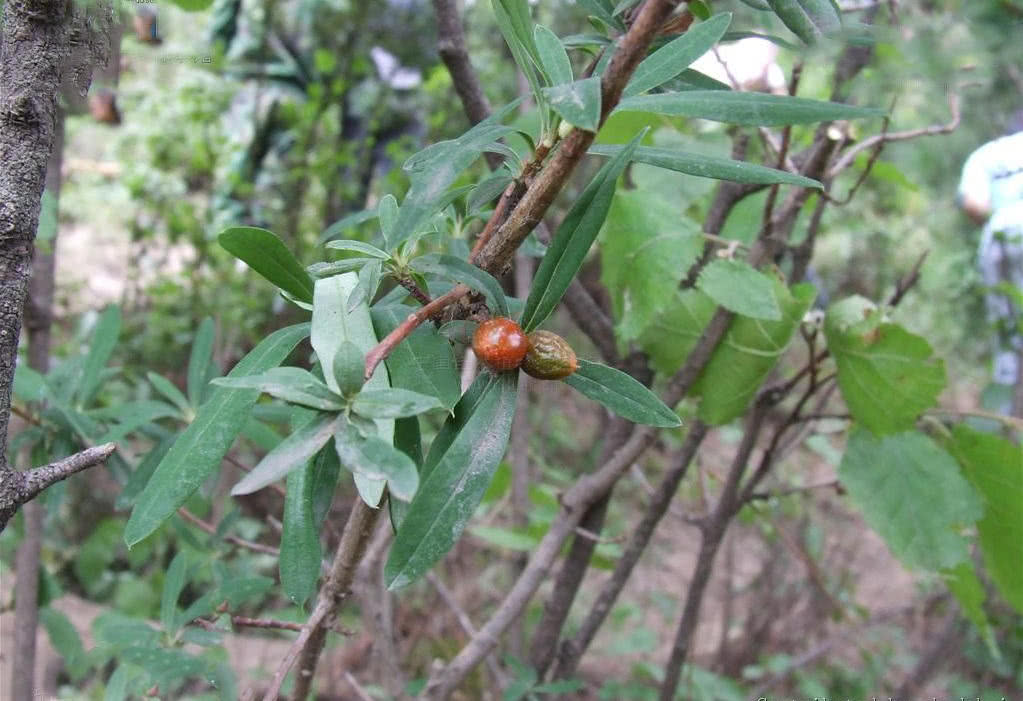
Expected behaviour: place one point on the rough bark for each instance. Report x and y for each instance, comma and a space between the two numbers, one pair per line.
44, 44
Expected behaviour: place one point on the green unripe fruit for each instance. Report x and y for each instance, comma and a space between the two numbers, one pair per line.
549, 357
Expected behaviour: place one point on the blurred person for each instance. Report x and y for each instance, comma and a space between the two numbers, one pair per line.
991, 194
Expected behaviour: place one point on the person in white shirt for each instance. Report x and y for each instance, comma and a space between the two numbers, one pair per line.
991, 194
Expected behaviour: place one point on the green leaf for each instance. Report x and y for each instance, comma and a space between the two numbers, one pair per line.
745, 108
199, 449
573, 239
166, 666
367, 248
912, 493
578, 102
293, 385
136, 415
387, 213
553, 57
265, 253
423, 362
408, 439
29, 385
887, 375
65, 640
366, 289
968, 590
299, 563
645, 249
392, 403
435, 168
349, 368
333, 325
143, 472
323, 483
748, 352
505, 538
349, 221
708, 166
294, 450
459, 270
193, 5
104, 338
173, 583
199, 361
808, 19
454, 477
377, 460
603, 11
739, 288
675, 56
622, 394
165, 387
486, 191
994, 466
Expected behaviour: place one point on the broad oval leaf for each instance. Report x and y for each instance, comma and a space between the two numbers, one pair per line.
703, 166
994, 466
808, 19
739, 288
199, 449
675, 56
265, 253
392, 403
455, 475
912, 493
745, 108
578, 102
573, 239
553, 57
622, 394
459, 270
294, 450
887, 375
293, 385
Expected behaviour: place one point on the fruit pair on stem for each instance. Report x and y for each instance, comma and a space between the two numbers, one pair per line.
502, 345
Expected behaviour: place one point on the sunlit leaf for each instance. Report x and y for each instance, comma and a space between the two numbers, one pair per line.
265, 253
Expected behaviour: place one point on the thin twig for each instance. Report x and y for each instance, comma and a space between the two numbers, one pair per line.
411, 323
233, 539
465, 623
849, 156
309, 642
356, 687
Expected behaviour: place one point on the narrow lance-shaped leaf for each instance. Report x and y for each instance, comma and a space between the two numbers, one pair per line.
361, 247
265, 253
299, 563
200, 361
294, 450
808, 19
709, 166
201, 447
293, 385
675, 56
745, 108
573, 239
392, 403
455, 476
104, 338
408, 439
165, 387
622, 394
553, 57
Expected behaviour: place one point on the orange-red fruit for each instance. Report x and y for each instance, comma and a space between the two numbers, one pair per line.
500, 343
549, 357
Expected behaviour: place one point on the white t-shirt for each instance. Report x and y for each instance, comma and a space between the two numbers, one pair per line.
994, 174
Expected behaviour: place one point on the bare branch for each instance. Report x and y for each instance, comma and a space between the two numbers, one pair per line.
451, 47
233, 539
887, 137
